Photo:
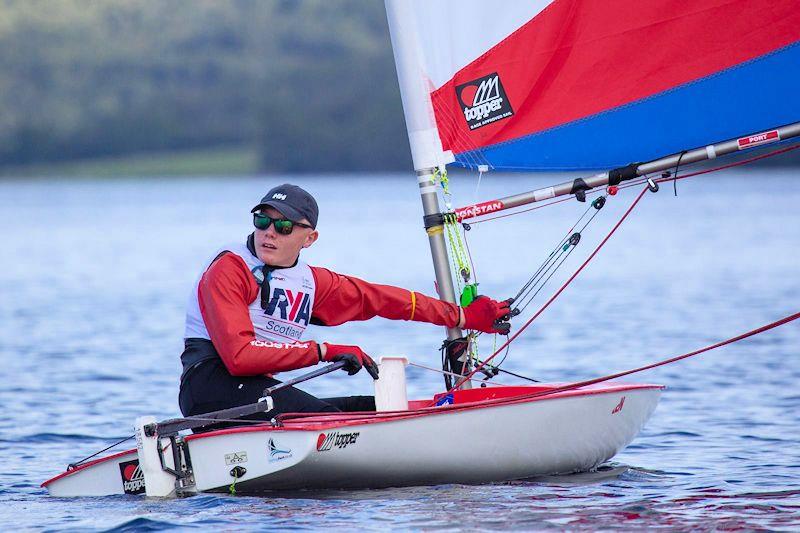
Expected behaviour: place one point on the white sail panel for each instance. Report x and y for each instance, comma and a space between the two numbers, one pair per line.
434, 39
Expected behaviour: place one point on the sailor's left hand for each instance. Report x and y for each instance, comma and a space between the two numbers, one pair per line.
353, 356
487, 315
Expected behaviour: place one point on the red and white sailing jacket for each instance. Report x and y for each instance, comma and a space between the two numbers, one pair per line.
225, 307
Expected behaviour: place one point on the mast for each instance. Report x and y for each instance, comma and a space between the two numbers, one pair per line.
423, 136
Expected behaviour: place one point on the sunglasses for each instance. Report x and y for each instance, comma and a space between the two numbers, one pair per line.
282, 225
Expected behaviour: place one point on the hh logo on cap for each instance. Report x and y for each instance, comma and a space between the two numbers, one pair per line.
279, 196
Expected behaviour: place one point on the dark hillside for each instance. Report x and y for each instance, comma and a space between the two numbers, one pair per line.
311, 83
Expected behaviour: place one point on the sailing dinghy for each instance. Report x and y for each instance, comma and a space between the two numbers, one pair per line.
516, 86
564, 432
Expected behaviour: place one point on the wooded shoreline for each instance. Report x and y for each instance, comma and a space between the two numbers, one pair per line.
295, 86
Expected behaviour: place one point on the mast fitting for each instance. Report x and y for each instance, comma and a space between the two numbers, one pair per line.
628, 172
435, 230
579, 189
433, 220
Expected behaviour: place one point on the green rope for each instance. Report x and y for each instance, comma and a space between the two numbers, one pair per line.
459, 260
457, 247
232, 488
473, 348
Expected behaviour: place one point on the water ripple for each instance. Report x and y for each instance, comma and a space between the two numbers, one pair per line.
57, 437
143, 524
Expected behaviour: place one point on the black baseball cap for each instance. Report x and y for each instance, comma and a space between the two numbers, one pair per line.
293, 202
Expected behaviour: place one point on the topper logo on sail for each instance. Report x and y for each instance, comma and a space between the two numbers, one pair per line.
483, 101
488, 91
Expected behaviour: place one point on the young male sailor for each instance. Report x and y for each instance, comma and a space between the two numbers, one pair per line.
249, 310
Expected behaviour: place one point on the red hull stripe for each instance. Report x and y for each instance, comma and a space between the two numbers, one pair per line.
578, 58
490, 397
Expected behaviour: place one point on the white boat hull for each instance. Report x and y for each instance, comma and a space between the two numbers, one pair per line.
469, 443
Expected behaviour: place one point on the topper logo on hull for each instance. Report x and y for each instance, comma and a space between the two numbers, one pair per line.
336, 439
132, 477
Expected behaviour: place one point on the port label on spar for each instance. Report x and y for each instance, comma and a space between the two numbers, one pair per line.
758, 139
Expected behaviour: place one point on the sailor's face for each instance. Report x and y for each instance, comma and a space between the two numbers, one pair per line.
280, 250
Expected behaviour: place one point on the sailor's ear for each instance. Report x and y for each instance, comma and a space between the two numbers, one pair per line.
311, 238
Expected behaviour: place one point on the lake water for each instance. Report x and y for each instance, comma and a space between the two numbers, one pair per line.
96, 274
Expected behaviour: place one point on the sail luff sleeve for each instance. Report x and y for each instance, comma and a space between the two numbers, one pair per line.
431, 42
423, 137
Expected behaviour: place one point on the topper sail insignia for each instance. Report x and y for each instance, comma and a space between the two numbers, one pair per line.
526, 84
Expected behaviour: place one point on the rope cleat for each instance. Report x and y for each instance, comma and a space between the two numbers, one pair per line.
469, 294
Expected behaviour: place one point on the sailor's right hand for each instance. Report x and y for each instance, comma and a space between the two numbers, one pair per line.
353, 356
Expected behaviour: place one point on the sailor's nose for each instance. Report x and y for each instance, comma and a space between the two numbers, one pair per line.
271, 233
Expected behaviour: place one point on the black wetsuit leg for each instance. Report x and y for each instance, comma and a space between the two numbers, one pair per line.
352, 404
209, 387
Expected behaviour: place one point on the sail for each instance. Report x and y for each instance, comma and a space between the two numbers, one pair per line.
586, 84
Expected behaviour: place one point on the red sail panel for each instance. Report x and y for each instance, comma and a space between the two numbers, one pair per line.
578, 58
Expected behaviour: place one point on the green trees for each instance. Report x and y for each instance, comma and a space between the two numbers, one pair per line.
310, 83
